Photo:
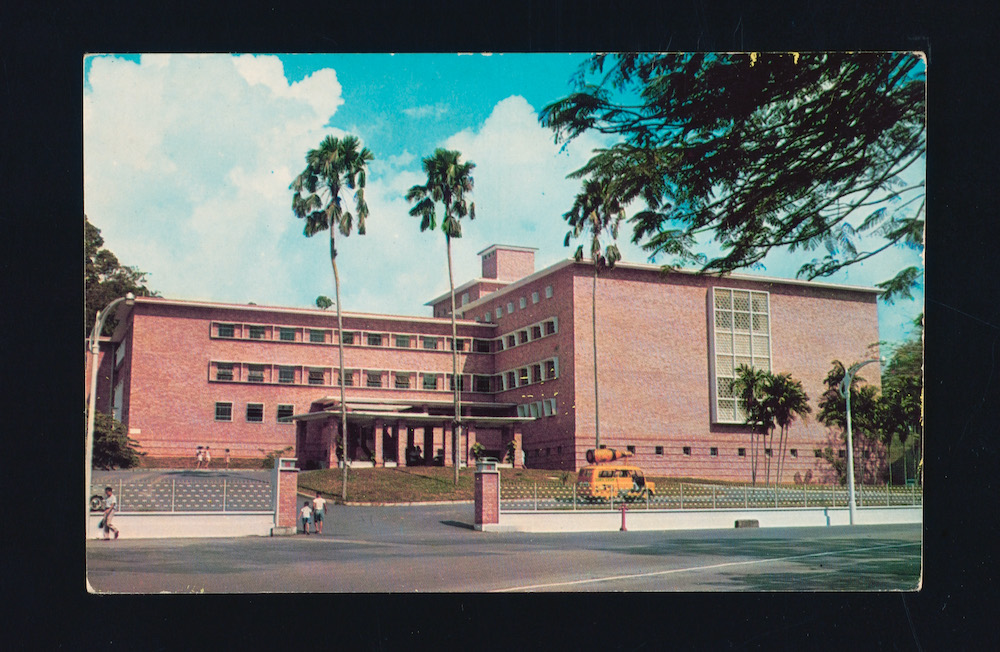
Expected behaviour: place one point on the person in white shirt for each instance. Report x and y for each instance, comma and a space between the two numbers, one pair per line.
305, 513
319, 511
110, 505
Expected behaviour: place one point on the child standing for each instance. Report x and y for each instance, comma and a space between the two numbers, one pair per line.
305, 513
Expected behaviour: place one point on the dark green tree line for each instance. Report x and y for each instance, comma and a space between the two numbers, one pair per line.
105, 279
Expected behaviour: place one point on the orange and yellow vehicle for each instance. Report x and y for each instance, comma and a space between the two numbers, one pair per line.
609, 477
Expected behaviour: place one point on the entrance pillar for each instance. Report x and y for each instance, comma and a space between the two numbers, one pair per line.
448, 433
378, 433
286, 483
518, 447
487, 497
400, 443
470, 441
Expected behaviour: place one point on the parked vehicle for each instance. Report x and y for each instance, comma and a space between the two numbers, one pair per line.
602, 482
97, 503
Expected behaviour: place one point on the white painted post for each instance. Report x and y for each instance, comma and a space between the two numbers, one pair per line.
173, 493
536, 496
223, 495
805, 497
776, 494
713, 496
886, 494
120, 501
574, 496
682, 495
746, 502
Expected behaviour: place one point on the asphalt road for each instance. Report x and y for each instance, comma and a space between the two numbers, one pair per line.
434, 549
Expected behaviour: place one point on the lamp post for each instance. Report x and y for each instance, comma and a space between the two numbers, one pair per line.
102, 316
845, 391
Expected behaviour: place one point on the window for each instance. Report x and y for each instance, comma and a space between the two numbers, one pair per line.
659, 450
429, 342
742, 452
223, 411
402, 381
462, 385
521, 410
522, 303
687, 450
510, 308
511, 342
285, 413
522, 337
548, 291
741, 336
767, 451
286, 334
481, 383
498, 312
465, 298
481, 346
486, 317
374, 379
374, 339
317, 337
511, 380
316, 377
549, 407
224, 371
794, 452
499, 344
536, 332
630, 449
533, 412
347, 338
522, 377
550, 369
460, 345
841, 453
714, 452
226, 330
534, 297
256, 332
255, 412
550, 327
430, 381
286, 374
348, 378
402, 341
256, 373
536, 373
817, 452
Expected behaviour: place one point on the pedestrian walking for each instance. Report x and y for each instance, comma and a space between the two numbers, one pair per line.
304, 514
198, 456
110, 506
227, 458
319, 511
208, 457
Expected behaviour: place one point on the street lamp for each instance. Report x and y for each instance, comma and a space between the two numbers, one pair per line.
845, 391
95, 349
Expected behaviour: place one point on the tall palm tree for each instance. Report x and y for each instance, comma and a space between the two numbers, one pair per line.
336, 165
785, 399
748, 388
448, 182
596, 211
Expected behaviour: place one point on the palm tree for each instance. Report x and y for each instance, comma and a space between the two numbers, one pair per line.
748, 388
785, 399
330, 168
596, 210
448, 181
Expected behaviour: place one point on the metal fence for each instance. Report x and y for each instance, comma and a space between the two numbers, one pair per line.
521, 496
190, 495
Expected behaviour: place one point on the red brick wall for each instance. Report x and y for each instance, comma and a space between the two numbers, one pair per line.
487, 507
508, 264
289, 502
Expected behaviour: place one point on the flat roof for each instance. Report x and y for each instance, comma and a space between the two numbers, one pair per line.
506, 248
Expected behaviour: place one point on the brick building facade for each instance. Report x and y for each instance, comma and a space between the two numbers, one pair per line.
258, 379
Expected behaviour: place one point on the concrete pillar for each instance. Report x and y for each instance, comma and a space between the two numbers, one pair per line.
286, 483
448, 435
486, 497
518, 464
378, 433
335, 434
401, 432
470, 441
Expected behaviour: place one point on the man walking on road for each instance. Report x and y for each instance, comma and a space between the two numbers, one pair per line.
319, 511
110, 505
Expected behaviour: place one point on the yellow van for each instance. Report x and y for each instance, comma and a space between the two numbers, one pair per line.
607, 481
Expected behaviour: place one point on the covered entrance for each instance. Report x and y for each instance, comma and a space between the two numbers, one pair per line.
404, 433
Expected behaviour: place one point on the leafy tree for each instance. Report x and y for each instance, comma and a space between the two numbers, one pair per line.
762, 151
323, 302
866, 411
448, 182
748, 387
113, 448
785, 399
105, 279
595, 212
902, 393
337, 165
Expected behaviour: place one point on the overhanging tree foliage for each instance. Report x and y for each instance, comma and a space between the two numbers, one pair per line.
105, 279
761, 151
902, 394
113, 448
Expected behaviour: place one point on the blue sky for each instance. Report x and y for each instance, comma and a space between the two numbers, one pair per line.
187, 161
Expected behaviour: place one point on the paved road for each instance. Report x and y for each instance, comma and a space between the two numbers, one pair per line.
435, 549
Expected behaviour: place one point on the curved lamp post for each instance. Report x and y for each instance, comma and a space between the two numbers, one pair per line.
845, 391
95, 349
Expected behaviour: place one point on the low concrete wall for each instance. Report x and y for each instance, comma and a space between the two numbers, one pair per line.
180, 525
698, 519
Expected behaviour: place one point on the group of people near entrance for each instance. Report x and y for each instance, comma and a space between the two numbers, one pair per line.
313, 514
203, 457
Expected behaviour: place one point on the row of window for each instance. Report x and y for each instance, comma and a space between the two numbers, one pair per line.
254, 412
741, 452
353, 338
527, 334
543, 408
522, 303
378, 378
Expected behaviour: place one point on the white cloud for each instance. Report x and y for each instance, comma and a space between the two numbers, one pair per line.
426, 111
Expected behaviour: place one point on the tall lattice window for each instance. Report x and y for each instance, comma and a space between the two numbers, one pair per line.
741, 336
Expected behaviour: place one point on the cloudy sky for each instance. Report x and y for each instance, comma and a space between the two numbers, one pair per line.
188, 158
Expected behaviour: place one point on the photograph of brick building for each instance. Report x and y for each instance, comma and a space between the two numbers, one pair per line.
257, 379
